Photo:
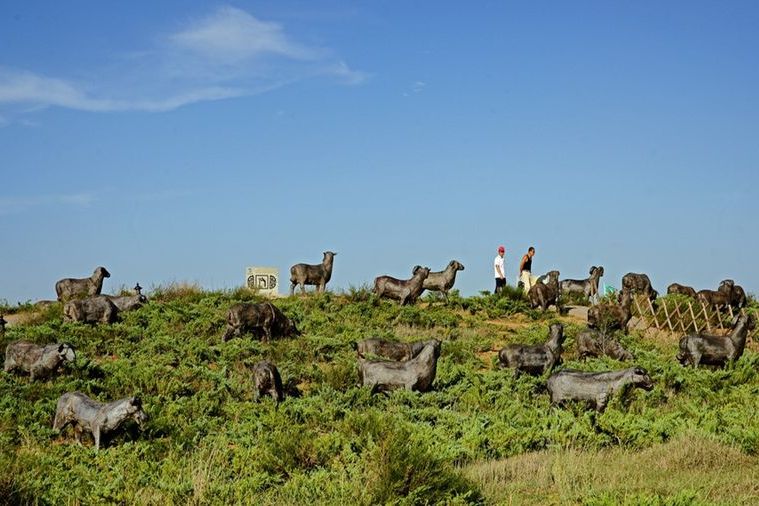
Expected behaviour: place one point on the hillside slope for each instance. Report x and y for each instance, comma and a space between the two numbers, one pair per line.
482, 436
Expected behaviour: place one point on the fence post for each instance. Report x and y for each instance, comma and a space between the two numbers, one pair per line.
706, 317
693, 315
653, 312
666, 314
680, 317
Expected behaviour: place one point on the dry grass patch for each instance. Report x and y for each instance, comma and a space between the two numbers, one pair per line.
687, 470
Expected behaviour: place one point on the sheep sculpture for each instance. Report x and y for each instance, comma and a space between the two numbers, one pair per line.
38, 361
535, 359
716, 298
546, 293
305, 274
607, 317
444, 280
676, 288
99, 419
596, 388
267, 381
416, 374
716, 350
261, 319
390, 349
97, 309
71, 288
639, 283
587, 287
129, 302
592, 343
405, 291
736, 294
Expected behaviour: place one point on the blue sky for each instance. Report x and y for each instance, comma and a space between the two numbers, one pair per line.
183, 141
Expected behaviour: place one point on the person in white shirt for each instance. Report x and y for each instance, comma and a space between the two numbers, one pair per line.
500, 269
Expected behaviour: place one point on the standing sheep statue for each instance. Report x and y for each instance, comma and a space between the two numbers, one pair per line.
73, 288
442, 281
305, 274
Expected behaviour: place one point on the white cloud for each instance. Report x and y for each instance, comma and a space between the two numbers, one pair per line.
233, 35
226, 54
12, 205
417, 87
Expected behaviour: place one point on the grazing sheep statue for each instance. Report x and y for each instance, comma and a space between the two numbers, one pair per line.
639, 283
97, 309
400, 352
129, 302
597, 388
718, 299
402, 290
609, 317
262, 318
736, 294
38, 361
442, 281
716, 350
587, 287
99, 419
305, 274
535, 359
677, 288
592, 343
416, 374
543, 294
71, 288
267, 381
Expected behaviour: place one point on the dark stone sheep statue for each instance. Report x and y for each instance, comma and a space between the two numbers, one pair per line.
406, 291
716, 350
305, 274
592, 343
38, 361
607, 317
267, 381
392, 350
71, 288
129, 302
97, 309
639, 283
596, 388
262, 318
677, 288
544, 294
588, 287
444, 280
100, 420
416, 374
716, 298
735, 293
535, 359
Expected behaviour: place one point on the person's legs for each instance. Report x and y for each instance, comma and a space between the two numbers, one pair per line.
499, 284
525, 279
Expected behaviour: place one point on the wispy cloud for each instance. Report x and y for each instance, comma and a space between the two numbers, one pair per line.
13, 205
417, 87
229, 53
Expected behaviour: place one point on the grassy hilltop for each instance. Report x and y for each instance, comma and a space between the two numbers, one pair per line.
482, 436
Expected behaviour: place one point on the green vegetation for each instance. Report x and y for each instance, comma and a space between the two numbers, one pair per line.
482, 436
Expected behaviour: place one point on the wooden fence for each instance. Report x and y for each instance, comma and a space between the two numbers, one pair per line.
686, 316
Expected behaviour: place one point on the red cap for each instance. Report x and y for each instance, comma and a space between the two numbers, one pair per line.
501, 248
